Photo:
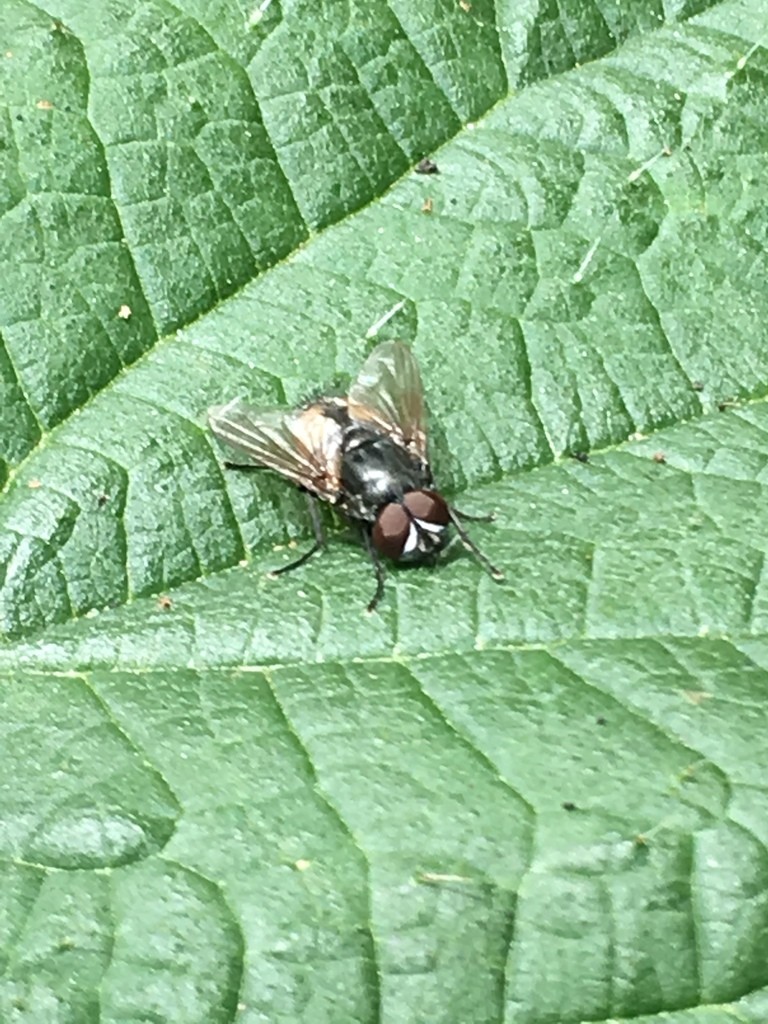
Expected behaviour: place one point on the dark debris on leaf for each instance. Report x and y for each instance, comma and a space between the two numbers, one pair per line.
427, 166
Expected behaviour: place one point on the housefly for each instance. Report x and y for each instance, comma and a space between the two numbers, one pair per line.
364, 453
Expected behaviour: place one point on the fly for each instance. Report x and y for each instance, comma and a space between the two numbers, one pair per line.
365, 454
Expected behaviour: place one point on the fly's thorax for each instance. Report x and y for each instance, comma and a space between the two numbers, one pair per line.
335, 407
375, 471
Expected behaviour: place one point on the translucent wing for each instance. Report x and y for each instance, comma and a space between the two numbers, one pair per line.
388, 394
304, 446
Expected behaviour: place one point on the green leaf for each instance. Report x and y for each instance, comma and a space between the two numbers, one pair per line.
227, 796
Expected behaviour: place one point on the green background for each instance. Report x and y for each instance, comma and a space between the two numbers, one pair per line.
230, 798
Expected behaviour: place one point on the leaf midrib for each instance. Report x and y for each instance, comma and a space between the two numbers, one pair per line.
405, 660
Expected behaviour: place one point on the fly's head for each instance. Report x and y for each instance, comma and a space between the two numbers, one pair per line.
413, 529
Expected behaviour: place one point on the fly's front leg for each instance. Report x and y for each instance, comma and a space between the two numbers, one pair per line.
378, 568
319, 531
487, 517
470, 545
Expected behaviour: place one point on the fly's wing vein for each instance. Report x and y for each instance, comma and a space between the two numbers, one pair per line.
303, 446
388, 394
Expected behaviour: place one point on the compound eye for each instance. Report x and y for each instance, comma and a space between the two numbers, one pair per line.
427, 507
391, 531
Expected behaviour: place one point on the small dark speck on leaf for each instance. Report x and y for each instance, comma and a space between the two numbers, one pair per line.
659, 457
427, 166
697, 385
580, 456
102, 500
601, 720
569, 805
164, 602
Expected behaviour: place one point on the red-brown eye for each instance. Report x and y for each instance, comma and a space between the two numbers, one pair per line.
390, 531
427, 506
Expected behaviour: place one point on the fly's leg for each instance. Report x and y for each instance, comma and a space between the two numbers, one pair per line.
241, 465
488, 517
470, 545
314, 515
378, 569
317, 526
